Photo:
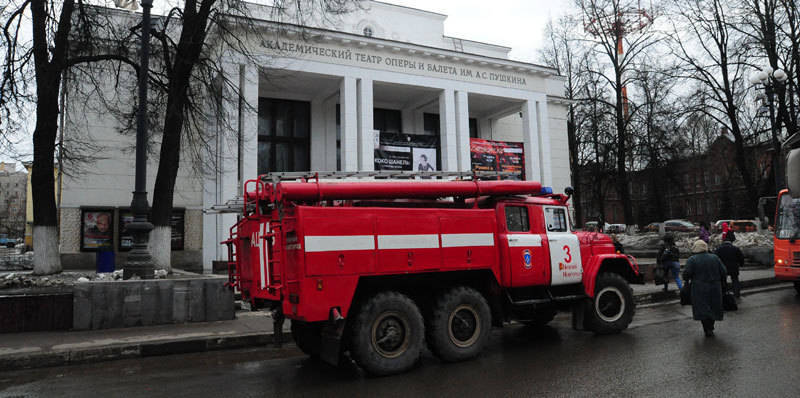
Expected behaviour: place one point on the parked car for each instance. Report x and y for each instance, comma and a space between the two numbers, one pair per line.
744, 225
652, 227
679, 226
615, 228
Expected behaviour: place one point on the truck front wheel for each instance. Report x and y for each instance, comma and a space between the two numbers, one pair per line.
612, 308
387, 334
459, 324
308, 337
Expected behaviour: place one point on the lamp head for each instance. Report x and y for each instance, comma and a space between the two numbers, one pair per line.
780, 75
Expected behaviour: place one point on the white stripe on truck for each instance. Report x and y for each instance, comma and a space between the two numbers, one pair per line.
463, 240
339, 242
390, 242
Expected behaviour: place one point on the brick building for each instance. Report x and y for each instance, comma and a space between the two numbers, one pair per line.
704, 187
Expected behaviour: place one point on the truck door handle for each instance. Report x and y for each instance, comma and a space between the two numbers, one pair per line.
513, 239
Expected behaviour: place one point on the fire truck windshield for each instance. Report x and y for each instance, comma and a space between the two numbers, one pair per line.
787, 225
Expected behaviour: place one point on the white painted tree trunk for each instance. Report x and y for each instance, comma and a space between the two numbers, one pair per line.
46, 259
160, 247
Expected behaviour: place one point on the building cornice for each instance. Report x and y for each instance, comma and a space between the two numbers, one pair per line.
332, 36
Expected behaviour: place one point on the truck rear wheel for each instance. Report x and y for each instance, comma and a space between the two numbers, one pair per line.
387, 334
612, 308
459, 324
308, 337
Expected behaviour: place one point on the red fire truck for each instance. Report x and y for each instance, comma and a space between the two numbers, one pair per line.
376, 269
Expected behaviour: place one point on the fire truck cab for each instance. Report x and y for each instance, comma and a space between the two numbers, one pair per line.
377, 269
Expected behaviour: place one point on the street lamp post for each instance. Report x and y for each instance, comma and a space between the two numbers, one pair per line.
769, 79
139, 262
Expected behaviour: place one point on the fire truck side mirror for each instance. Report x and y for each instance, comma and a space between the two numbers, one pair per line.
569, 191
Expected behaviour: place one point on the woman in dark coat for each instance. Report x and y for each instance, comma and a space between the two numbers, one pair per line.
707, 273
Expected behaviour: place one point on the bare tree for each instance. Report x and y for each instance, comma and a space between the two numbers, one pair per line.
711, 55
617, 25
565, 53
32, 72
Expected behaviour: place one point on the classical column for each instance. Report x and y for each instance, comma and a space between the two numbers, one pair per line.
447, 130
349, 123
248, 147
485, 128
530, 140
544, 143
331, 130
462, 131
366, 148
318, 135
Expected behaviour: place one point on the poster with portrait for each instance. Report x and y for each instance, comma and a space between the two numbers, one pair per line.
407, 152
97, 230
424, 159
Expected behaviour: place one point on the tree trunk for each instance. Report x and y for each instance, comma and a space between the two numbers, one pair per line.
46, 259
187, 54
574, 166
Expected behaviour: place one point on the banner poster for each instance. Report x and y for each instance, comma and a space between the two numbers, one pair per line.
499, 156
397, 151
97, 230
177, 222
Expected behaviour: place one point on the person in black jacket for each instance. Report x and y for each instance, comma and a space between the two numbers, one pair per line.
706, 273
669, 259
733, 258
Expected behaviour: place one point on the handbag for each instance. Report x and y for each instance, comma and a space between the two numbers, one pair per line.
686, 293
729, 302
659, 275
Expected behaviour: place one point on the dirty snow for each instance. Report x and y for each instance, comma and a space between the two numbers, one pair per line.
684, 240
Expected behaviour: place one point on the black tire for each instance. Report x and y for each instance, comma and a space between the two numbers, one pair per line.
540, 317
459, 324
387, 334
612, 309
797, 287
308, 337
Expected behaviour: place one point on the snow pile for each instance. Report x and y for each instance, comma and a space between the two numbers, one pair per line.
17, 280
685, 240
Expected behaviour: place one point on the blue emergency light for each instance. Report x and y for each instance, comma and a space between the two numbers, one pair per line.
546, 191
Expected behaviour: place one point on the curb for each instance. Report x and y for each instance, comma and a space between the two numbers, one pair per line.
134, 350
660, 296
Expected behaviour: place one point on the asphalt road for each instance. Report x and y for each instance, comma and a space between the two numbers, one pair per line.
756, 352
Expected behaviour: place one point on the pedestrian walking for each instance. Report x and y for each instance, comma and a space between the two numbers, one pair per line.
727, 233
704, 234
669, 259
618, 247
706, 274
733, 258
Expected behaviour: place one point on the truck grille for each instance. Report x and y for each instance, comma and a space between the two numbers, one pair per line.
795, 259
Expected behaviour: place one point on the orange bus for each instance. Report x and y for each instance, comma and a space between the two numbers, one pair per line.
787, 239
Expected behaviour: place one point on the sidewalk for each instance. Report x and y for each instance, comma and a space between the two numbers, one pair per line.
249, 329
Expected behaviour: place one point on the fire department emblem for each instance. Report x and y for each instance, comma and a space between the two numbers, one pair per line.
526, 258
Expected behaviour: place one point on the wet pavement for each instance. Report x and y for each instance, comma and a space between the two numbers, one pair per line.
756, 352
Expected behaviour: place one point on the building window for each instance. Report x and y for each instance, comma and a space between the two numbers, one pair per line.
368, 31
284, 128
387, 120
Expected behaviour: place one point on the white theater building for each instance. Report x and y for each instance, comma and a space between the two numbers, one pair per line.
316, 99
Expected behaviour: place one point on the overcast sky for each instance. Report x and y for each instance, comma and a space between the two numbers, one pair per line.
518, 24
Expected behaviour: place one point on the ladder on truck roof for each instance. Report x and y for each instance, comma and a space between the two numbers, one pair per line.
381, 174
